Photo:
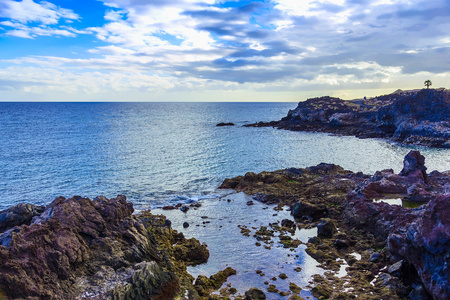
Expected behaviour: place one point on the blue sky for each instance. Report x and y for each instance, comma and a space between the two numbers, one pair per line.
207, 50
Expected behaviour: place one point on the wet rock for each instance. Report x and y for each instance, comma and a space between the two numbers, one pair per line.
326, 228
169, 207
287, 223
414, 162
185, 224
397, 268
224, 124
255, 294
374, 257
192, 252
273, 289
393, 283
340, 243
142, 284
418, 293
309, 210
314, 240
250, 203
184, 208
204, 285
294, 288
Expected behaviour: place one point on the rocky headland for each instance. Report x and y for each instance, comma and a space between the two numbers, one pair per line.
420, 117
403, 249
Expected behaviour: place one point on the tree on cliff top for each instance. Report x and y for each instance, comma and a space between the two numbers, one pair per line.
427, 83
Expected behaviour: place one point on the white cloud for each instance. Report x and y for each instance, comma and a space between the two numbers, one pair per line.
27, 11
294, 45
30, 19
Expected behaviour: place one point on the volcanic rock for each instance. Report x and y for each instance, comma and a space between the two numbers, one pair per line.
411, 117
79, 248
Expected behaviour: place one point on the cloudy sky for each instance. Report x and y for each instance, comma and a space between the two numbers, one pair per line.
214, 50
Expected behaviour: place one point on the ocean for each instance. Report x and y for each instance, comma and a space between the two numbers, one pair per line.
165, 153
161, 153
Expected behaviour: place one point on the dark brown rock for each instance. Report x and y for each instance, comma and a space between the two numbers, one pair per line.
255, 294
97, 247
19, 214
411, 117
425, 243
326, 228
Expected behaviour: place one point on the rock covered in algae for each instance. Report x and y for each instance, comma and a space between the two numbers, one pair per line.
79, 248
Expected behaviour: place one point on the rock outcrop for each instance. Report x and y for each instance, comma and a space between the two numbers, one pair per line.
411, 117
425, 244
79, 248
412, 241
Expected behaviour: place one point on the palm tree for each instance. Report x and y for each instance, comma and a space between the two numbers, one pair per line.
427, 83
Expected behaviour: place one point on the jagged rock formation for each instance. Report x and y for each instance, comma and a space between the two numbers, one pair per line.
79, 248
411, 117
405, 251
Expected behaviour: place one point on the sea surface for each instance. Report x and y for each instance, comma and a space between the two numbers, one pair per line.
160, 153
166, 153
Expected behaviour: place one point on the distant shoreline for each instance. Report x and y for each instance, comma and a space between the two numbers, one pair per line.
416, 117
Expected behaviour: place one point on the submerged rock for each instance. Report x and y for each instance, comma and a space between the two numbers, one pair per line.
224, 124
204, 285
255, 294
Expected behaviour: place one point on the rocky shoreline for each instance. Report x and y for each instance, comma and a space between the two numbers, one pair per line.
419, 117
79, 248
404, 251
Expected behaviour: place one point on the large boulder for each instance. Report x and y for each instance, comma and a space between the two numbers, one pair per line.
425, 243
97, 248
414, 162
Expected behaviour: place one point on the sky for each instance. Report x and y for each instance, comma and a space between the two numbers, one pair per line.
208, 50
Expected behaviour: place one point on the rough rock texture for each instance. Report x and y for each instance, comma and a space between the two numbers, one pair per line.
79, 248
419, 236
383, 234
255, 294
303, 189
205, 285
18, 215
412, 117
425, 243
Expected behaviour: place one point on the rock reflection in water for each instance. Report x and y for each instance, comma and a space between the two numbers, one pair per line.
216, 224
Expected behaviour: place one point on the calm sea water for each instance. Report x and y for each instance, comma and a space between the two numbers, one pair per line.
156, 153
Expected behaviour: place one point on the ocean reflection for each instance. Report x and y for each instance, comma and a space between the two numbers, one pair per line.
230, 248
152, 152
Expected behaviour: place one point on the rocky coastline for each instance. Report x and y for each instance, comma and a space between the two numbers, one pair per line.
404, 248
79, 248
420, 117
